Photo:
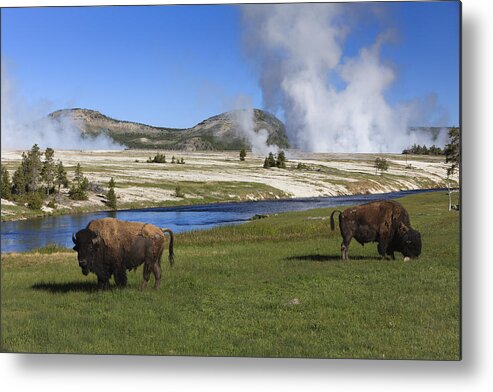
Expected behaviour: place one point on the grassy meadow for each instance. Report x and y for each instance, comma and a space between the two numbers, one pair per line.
272, 287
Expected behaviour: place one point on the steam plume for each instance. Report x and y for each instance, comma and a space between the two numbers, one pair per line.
243, 117
330, 102
23, 125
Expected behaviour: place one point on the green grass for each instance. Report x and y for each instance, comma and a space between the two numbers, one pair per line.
232, 292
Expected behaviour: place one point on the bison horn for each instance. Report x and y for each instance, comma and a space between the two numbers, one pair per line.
73, 239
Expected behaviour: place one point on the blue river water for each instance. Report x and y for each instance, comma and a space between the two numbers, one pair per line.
21, 236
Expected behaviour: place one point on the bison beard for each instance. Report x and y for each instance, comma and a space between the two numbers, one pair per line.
111, 247
385, 222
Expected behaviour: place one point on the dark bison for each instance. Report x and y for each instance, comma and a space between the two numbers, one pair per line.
111, 247
385, 222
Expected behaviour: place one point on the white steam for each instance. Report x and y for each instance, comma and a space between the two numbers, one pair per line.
23, 125
330, 102
243, 117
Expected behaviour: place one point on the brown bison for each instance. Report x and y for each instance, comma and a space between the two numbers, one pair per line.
385, 222
111, 247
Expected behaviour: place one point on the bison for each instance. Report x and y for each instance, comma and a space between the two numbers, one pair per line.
386, 222
110, 246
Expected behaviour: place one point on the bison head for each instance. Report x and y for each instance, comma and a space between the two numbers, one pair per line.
410, 242
86, 245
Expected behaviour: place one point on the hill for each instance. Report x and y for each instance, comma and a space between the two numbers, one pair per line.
219, 132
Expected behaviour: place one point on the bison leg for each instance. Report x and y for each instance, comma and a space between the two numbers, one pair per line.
343, 251
147, 275
382, 247
156, 269
103, 284
121, 277
345, 248
391, 254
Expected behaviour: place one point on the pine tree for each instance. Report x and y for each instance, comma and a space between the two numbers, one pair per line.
6, 194
32, 166
78, 175
80, 185
281, 160
452, 150
34, 200
19, 182
266, 163
48, 170
242, 154
111, 195
84, 186
271, 160
61, 176
452, 156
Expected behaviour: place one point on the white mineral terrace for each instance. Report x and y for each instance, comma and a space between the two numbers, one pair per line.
346, 172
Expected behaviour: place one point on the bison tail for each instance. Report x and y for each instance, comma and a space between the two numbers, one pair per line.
332, 226
171, 256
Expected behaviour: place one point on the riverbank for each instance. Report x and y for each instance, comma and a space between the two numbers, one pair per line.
273, 287
25, 235
208, 177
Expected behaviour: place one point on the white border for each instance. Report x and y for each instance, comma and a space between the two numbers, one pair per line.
131, 373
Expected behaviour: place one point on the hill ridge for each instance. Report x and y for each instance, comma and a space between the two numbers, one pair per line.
218, 132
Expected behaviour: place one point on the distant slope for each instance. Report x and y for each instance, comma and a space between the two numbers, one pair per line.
215, 133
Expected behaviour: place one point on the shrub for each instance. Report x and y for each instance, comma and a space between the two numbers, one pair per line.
34, 200
381, 164
179, 192
158, 158
76, 193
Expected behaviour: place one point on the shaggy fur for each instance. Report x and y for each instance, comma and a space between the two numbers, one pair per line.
386, 222
111, 247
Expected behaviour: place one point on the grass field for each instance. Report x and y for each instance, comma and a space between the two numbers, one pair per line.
273, 287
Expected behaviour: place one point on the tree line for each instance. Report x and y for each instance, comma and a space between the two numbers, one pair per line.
417, 149
38, 177
161, 158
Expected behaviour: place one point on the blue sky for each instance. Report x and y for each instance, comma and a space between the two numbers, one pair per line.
177, 65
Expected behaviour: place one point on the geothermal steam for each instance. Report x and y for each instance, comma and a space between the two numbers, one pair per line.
330, 102
24, 125
243, 117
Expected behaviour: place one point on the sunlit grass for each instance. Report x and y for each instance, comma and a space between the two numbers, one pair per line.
271, 287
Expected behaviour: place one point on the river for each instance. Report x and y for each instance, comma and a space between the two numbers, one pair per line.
25, 235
